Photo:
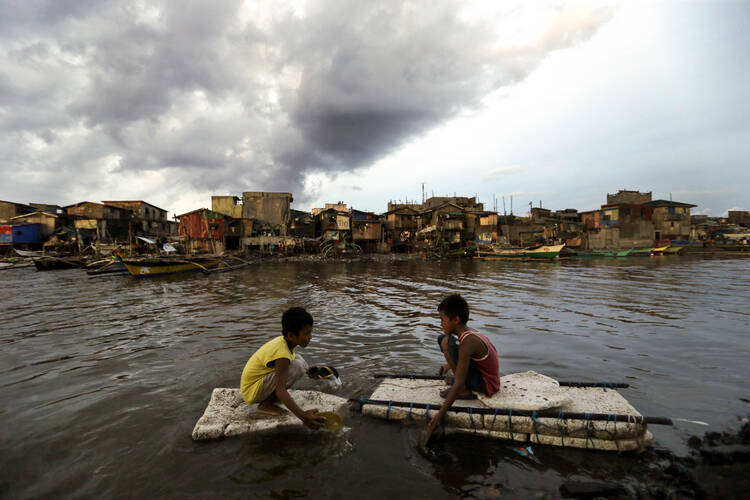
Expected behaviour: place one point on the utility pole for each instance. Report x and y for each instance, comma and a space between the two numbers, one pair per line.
504, 212
511, 204
423, 193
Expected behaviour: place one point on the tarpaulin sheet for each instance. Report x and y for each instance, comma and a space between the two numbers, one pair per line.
6, 234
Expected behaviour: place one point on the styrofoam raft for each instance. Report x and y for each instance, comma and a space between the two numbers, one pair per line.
603, 435
527, 391
227, 414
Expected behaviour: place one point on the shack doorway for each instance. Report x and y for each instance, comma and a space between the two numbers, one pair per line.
233, 242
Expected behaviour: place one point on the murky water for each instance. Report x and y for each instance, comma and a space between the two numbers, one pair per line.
104, 378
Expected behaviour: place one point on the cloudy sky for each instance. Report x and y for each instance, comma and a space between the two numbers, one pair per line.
559, 102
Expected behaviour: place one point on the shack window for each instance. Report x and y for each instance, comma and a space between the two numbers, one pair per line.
671, 210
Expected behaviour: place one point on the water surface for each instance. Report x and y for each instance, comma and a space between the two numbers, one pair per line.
104, 378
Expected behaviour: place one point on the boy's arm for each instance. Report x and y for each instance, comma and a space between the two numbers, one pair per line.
465, 351
281, 367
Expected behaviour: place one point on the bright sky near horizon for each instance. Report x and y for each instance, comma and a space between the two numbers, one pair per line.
558, 102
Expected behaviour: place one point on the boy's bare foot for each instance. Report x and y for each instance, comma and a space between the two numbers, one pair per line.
271, 409
465, 394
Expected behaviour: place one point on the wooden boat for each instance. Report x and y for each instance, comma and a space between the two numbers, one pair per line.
54, 263
159, 266
602, 253
544, 252
494, 251
673, 250
640, 252
659, 250
461, 252
109, 266
34, 253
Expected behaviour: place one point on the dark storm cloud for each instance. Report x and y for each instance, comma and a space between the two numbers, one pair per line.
227, 100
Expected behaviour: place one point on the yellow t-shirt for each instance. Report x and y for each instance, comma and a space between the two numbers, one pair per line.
258, 366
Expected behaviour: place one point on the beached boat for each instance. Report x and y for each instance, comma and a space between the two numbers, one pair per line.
544, 252
495, 251
640, 252
599, 253
55, 263
461, 252
659, 250
673, 250
34, 253
159, 266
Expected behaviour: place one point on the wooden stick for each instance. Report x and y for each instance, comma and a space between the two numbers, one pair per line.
613, 385
557, 414
193, 263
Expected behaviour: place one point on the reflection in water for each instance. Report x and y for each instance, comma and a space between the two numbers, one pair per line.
103, 379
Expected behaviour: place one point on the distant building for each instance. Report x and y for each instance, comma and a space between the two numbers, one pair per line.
464, 202
331, 224
628, 197
367, 230
400, 227
49, 222
301, 225
738, 217
50, 209
150, 218
227, 205
671, 219
9, 209
204, 231
92, 210
271, 208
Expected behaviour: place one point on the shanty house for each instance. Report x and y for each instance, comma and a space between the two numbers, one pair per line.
150, 218
48, 222
204, 231
332, 224
9, 209
400, 227
302, 224
671, 219
367, 229
272, 208
227, 205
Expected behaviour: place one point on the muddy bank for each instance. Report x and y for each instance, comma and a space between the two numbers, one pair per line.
717, 467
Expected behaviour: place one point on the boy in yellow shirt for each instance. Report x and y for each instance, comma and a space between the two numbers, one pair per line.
276, 366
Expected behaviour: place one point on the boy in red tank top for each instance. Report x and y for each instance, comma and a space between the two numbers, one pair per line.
468, 354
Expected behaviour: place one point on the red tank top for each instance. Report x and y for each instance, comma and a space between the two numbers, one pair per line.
489, 365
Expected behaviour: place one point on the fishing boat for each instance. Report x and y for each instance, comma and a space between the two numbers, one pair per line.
640, 252
673, 250
529, 408
106, 266
659, 250
496, 251
602, 253
34, 253
55, 263
461, 252
159, 266
544, 252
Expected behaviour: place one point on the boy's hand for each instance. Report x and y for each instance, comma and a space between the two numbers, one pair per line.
434, 422
313, 421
